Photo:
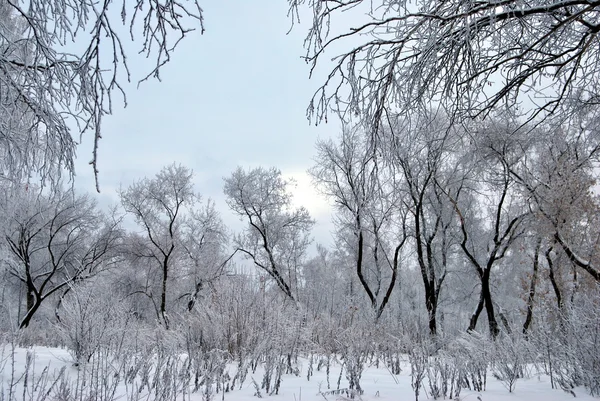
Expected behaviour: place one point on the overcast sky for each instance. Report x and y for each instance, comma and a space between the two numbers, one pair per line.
236, 95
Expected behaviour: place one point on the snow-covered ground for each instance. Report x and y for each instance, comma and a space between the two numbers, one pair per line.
377, 383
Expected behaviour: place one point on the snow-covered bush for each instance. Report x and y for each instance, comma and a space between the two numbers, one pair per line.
90, 320
472, 355
509, 359
443, 376
567, 342
418, 358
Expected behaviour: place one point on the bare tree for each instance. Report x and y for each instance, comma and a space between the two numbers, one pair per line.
277, 235
368, 206
326, 284
422, 150
55, 241
159, 207
53, 87
491, 212
558, 174
469, 56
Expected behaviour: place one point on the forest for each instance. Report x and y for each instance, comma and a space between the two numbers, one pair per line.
463, 185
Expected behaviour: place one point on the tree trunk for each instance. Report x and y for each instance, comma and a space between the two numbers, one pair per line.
555, 286
486, 294
33, 303
431, 304
163, 295
359, 272
475, 316
194, 296
531, 297
388, 293
59, 303
485, 300
30, 300
425, 259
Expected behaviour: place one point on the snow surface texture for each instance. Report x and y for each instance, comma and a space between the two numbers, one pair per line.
34, 373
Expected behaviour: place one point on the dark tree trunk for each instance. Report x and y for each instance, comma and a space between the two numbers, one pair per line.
359, 272
30, 299
388, 293
59, 303
485, 301
555, 286
532, 284
431, 304
475, 316
163, 295
425, 259
505, 323
486, 294
194, 296
33, 304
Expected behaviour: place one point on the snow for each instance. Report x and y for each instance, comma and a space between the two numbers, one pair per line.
377, 382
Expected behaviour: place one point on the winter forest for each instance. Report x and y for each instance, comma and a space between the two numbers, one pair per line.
462, 182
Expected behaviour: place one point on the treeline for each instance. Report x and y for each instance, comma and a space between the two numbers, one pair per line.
443, 230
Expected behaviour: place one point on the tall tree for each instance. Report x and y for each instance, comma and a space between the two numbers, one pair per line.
491, 212
277, 235
369, 208
159, 207
204, 241
559, 177
422, 150
57, 240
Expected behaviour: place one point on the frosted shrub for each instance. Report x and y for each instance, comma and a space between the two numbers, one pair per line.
31, 383
568, 345
214, 371
243, 365
96, 380
509, 360
89, 321
325, 362
355, 365
205, 360
418, 359
355, 344
443, 376
472, 355
585, 335
393, 361
275, 366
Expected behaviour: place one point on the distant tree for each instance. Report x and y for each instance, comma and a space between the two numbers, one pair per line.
55, 241
325, 284
204, 244
48, 85
277, 235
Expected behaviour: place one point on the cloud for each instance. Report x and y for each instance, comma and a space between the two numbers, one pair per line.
306, 194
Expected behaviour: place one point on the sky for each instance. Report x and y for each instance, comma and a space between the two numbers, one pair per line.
234, 96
